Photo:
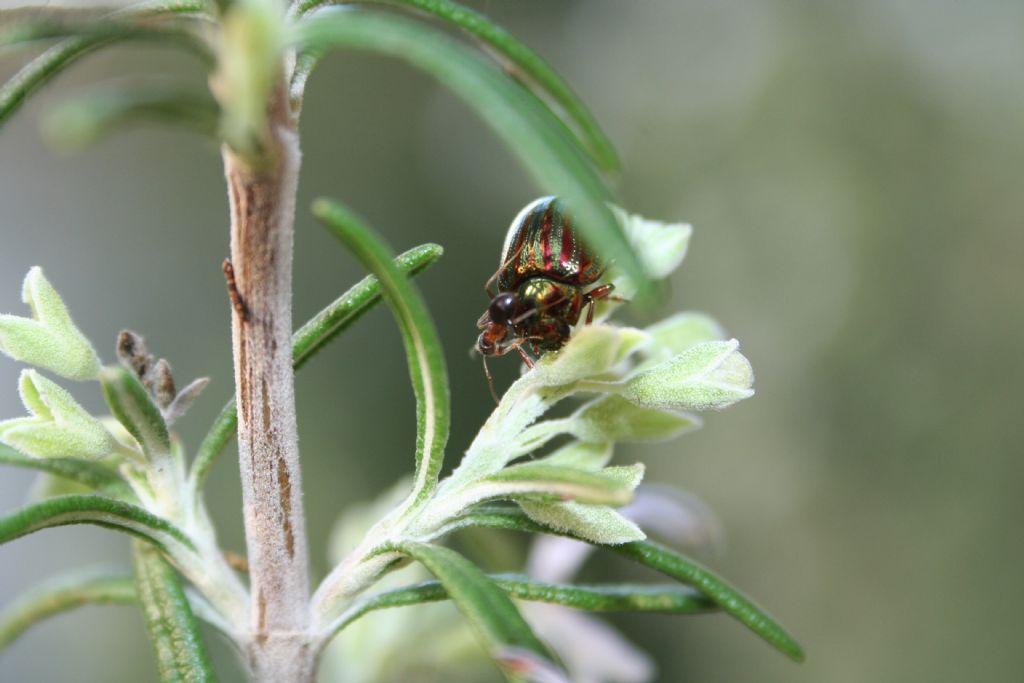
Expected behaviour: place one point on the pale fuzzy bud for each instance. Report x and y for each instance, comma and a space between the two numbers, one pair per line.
58, 427
49, 339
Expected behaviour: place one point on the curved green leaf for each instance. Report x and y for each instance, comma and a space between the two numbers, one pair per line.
350, 306
481, 601
666, 561
97, 510
64, 593
148, 8
73, 17
85, 120
92, 474
666, 599
309, 340
33, 75
671, 563
16, 31
37, 72
530, 131
516, 56
422, 345
180, 653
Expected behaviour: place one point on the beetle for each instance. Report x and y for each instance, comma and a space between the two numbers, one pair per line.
542, 282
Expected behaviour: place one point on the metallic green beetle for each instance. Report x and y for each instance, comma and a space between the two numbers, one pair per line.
542, 284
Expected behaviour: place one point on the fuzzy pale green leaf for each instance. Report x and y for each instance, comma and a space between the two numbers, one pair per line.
613, 418
679, 332
710, 375
590, 352
541, 480
49, 339
507, 434
58, 427
594, 523
660, 247
584, 455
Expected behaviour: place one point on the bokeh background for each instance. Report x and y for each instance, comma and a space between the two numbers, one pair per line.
853, 172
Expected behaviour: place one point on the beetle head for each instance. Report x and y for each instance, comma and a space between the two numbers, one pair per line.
491, 340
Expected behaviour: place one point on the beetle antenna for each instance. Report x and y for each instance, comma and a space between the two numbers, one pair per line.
490, 381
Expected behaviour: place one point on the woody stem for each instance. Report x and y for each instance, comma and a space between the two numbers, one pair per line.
259, 274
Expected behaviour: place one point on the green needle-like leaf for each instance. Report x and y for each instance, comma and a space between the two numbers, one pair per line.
481, 601
81, 42
666, 599
92, 510
93, 474
180, 653
78, 17
309, 340
149, 8
671, 563
326, 325
85, 120
64, 593
666, 561
33, 75
516, 56
422, 345
530, 130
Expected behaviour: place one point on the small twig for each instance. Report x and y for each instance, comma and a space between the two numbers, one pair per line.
237, 302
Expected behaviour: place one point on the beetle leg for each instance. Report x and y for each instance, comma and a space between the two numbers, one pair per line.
518, 346
490, 381
595, 295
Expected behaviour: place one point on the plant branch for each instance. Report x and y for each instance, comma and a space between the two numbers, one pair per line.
262, 196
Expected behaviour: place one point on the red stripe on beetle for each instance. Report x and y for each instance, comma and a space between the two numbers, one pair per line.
545, 235
567, 243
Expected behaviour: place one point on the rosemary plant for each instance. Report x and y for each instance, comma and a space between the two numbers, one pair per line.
129, 471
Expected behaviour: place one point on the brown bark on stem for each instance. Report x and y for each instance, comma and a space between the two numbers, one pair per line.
259, 274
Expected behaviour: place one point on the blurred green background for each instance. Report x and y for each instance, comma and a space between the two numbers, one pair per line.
853, 174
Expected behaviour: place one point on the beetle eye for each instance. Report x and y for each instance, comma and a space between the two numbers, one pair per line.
502, 308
